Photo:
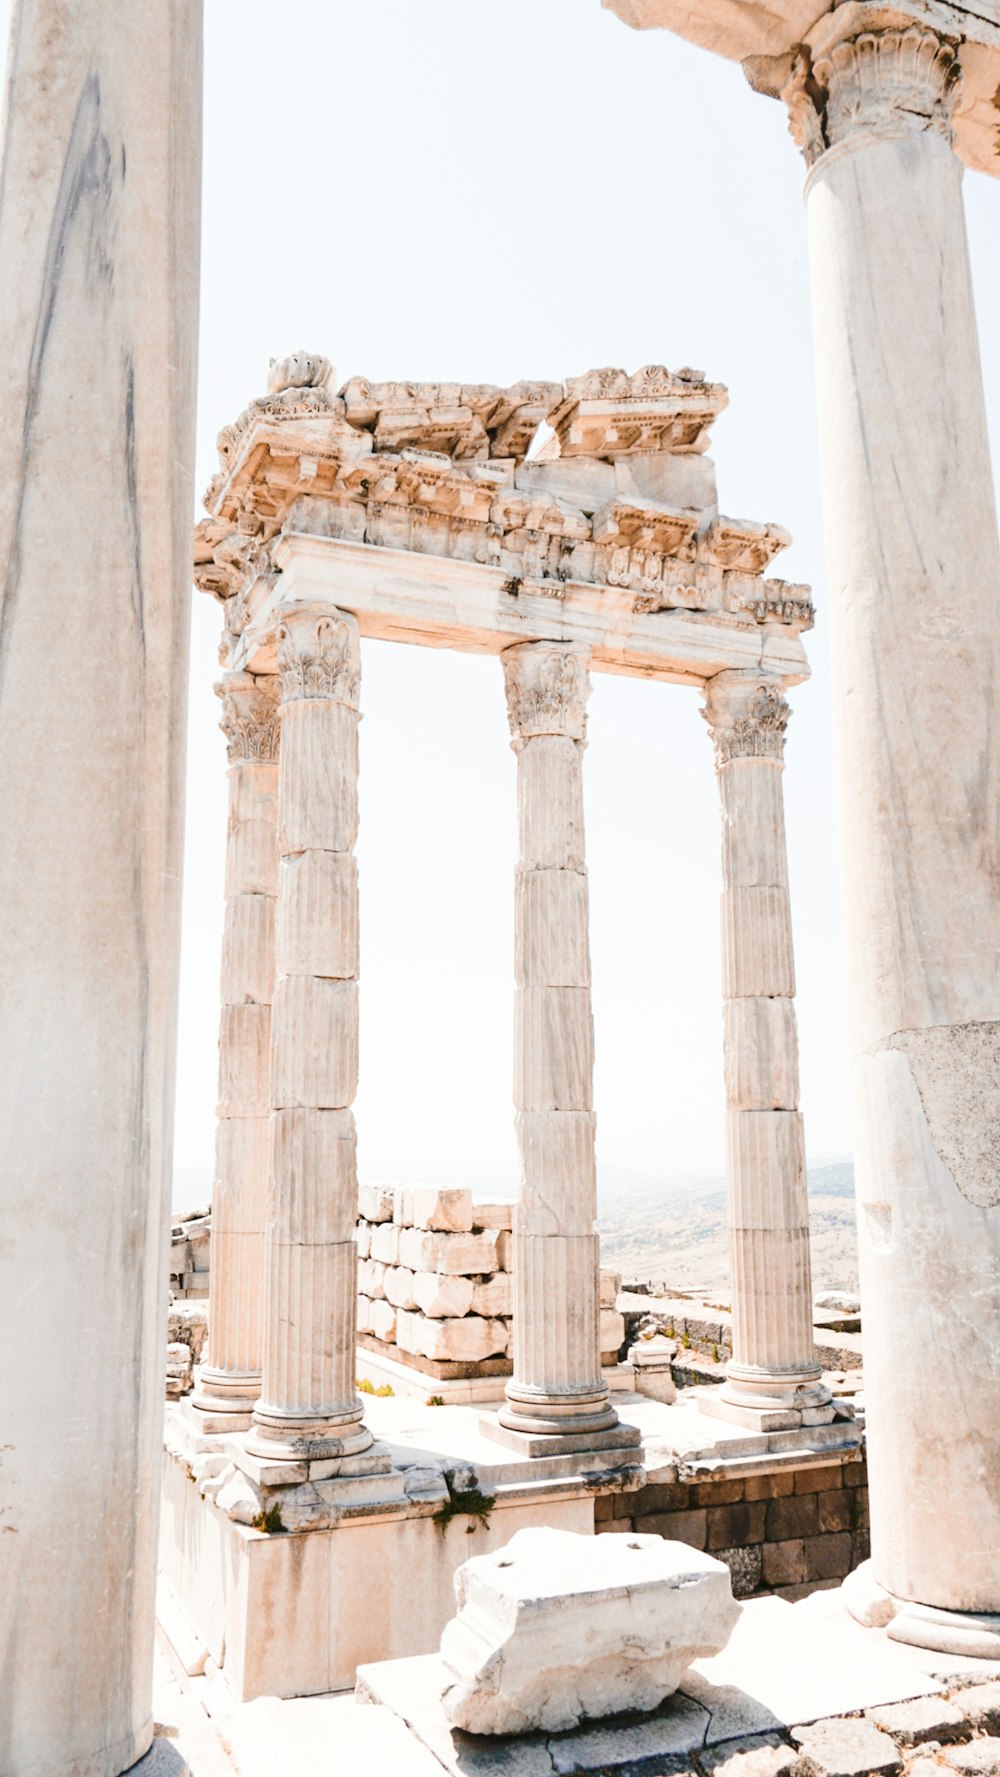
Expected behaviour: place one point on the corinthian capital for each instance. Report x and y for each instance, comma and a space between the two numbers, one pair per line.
319, 655
887, 77
249, 716
547, 686
746, 716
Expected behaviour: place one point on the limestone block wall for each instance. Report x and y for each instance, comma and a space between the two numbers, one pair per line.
772, 1530
434, 1281
190, 1255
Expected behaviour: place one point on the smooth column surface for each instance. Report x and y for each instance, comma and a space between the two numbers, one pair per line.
557, 1387
229, 1380
309, 1405
914, 576
99, 200
774, 1376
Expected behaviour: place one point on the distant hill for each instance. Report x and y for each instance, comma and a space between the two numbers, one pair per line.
674, 1230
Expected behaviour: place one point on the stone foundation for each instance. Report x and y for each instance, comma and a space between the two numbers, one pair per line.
787, 1528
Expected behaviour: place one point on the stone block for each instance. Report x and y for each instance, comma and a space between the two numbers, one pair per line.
364, 1314
837, 1510
307, 1146
847, 1748
314, 1042
248, 950
760, 1755
611, 1283
317, 921
443, 1298
371, 1278
375, 1202
550, 805
683, 1527
441, 1211
819, 1480
493, 1296
452, 1255
556, 1628
925, 1718
775, 1486
505, 1249
981, 1706
399, 1287
828, 1557
745, 1567
795, 1516
385, 1243
612, 1332
980, 1758
551, 924
784, 1564
558, 1175
244, 1061
757, 960
363, 1239
663, 1496
762, 1055
734, 1525
468, 1340
717, 1493
382, 1321
318, 777
492, 1215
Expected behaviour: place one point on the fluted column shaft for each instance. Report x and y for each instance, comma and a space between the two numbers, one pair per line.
557, 1386
229, 1380
774, 1368
308, 1403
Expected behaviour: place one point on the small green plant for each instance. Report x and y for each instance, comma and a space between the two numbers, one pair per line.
269, 1521
715, 1354
686, 1339
434, 1400
671, 1330
366, 1387
465, 1502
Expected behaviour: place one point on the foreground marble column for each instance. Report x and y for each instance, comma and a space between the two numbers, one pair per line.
309, 1406
229, 1380
774, 1380
557, 1390
914, 568
98, 319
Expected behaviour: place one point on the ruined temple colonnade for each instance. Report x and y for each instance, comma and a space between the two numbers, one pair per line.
412, 512
886, 103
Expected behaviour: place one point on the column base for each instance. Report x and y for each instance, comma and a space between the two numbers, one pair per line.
279, 1437
771, 1400
224, 1402
551, 1422
971, 1635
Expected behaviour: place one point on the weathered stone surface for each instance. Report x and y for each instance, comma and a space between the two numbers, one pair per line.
444, 1297
556, 1629
455, 1341
925, 1718
980, 1758
761, 1755
981, 1706
452, 1255
846, 1748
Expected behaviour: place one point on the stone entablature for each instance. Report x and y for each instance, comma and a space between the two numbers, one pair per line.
619, 498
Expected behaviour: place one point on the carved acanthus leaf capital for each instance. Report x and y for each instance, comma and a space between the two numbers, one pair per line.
878, 80
547, 686
746, 718
249, 716
319, 655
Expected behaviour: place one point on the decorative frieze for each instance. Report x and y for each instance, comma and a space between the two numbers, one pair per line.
878, 80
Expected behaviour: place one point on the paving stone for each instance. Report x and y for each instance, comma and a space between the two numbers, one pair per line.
846, 1748
980, 1705
762, 1755
925, 1718
980, 1758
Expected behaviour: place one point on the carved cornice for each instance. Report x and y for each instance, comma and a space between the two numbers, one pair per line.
319, 656
746, 719
894, 79
547, 686
249, 717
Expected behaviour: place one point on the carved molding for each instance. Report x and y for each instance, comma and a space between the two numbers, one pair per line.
319, 655
249, 717
746, 720
547, 686
896, 79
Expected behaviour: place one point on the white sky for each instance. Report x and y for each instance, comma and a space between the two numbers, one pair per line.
485, 192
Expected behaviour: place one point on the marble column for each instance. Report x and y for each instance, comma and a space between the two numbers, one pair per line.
773, 1382
229, 1380
913, 572
98, 331
557, 1391
309, 1405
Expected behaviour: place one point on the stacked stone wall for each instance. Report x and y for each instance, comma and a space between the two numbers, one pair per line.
190, 1255
786, 1528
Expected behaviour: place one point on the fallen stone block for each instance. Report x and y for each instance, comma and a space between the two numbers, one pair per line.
556, 1629
453, 1255
442, 1298
375, 1203
493, 1215
612, 1332
611, 1283
385, 1243
847, 1748
398, 1285
455, 1341
446, 1212
382, 1320
494, 1295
